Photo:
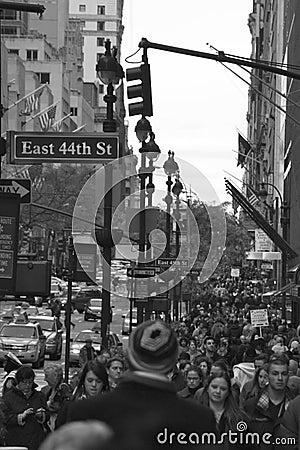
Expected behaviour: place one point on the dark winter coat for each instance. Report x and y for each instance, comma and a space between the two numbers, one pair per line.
32, 433
144, 411
178, 379
261, 421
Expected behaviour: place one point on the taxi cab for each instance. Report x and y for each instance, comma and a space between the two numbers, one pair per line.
25, 339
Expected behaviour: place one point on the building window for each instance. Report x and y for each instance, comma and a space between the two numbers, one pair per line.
100, 26
74, 111
9, 30
7, 14
14, 51
82, 23
82, 8
100, 41
100, 10
101, 89
44, 77
31, 55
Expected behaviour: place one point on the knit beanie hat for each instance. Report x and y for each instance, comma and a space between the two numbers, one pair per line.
153, 347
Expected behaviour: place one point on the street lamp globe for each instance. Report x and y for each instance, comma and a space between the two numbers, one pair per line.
177, 188
143, 129
170, 165
107, 66
151, 149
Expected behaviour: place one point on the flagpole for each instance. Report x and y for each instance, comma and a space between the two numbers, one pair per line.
61, 120
246, 154
26, 96
41, 112
79, 128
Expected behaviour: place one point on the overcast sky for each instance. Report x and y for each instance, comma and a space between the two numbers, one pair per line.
198, 105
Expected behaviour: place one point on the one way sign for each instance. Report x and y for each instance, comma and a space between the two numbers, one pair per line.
17, 186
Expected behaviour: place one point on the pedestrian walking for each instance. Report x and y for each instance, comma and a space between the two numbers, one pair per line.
92, 381
219, 396
25, 411
115, 369
144, 410
267, 409
56, 392
87, 352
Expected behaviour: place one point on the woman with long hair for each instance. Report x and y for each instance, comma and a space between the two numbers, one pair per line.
93, 381
217, 395
254, 387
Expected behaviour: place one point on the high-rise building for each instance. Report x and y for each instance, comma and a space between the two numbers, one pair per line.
100, 20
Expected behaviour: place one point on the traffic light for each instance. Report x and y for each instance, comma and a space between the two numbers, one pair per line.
142, 90
61, 245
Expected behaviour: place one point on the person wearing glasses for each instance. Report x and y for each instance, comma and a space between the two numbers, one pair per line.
26, 412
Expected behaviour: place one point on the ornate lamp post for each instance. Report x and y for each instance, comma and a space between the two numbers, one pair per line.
110, 73
171, 168
151, 151
177, 190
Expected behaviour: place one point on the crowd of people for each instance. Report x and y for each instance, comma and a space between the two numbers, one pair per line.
211, 374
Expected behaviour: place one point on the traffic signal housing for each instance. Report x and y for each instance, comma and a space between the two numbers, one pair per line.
61, 245
141, 90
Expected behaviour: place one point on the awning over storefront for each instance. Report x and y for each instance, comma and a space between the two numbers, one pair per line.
260, 220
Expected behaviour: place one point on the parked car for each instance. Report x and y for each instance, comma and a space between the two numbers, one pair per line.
25, 339
52, 329
79, 342
93, 310
126, 321
84, 295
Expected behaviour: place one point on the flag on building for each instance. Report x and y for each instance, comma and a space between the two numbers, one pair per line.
57, 127
252, 197
244, 149
31, 104
24, 172
38, 181
47, 118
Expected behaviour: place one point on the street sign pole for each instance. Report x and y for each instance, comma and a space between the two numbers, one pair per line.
68, 313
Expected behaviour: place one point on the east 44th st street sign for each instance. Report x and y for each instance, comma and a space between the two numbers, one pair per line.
17, 186
168, 262
35, 148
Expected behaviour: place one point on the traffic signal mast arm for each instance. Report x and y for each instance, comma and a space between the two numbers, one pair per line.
220, 57
18, 6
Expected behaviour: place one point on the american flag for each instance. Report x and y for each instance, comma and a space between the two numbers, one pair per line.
31, 104
47, 118
24, 172
252, 197
38, 182
57, 127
